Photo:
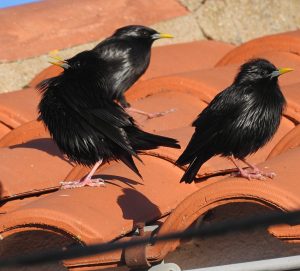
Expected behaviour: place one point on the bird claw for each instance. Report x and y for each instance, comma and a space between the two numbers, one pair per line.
254, 174
81, 183
270, 175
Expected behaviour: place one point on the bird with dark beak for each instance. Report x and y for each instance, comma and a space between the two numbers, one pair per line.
118, 62
238, 121
79, 106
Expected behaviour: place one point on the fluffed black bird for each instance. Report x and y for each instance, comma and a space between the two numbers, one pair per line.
238, 121
83, 119
120, 60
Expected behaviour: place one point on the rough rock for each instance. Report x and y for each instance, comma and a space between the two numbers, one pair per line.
237, 21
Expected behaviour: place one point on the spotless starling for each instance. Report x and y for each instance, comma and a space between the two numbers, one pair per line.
119, 61
78, 106
238, 121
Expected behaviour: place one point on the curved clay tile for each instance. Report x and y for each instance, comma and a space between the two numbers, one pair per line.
30, 130
281, 193
31, 168
289, 141
64, 24
4, 130
18, 107
292, 95
103, 214
83, 214
283, 42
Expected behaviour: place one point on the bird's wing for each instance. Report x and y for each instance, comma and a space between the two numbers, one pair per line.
218, 115
121, 69
108, 118
113, 121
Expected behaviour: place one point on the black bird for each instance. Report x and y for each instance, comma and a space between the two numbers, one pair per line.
86, 123
238, 121
120, 60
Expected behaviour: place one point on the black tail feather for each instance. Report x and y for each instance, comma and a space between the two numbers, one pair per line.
192, 170
141, 140
128, 161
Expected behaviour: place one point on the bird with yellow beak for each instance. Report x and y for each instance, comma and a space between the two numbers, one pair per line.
116, 63
80, 107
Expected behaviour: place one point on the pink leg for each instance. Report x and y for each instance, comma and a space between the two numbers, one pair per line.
258, 171
244, 173
150, 115
86, 181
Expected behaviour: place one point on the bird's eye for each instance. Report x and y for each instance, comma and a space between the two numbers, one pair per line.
77, 64
145, 33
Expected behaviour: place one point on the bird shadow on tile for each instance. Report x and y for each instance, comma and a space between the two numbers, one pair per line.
43, 144
112, 178
137, 207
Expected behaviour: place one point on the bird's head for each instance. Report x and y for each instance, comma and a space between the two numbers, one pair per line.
84, 61
139, 32
258, 71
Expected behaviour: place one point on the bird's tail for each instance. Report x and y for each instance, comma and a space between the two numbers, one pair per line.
192, 169
195, 162
141, 140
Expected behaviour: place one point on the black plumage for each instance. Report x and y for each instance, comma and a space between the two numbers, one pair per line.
239, 120
118, 61
126, 53
79, 110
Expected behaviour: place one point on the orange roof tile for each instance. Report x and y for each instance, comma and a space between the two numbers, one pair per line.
40, 27
82, 214
283, 42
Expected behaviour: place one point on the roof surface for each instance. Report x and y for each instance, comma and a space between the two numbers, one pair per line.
181, 76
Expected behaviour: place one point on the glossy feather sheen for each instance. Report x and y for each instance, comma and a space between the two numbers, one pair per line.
238, 121
79, 110
126, 55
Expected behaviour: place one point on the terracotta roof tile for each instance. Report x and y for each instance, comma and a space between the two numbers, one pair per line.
79, 213
4, 129
74, 211
18, 107
41, 166
289, 141
292, 94
82, 214
281, 193
24, 133
283, 42
62, 24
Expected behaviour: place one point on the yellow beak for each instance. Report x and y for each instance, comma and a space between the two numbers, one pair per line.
284, 70
60, 62
165, 36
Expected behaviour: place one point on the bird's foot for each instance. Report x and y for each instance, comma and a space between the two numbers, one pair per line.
254, 173
249, 175
83, 182
256, 170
